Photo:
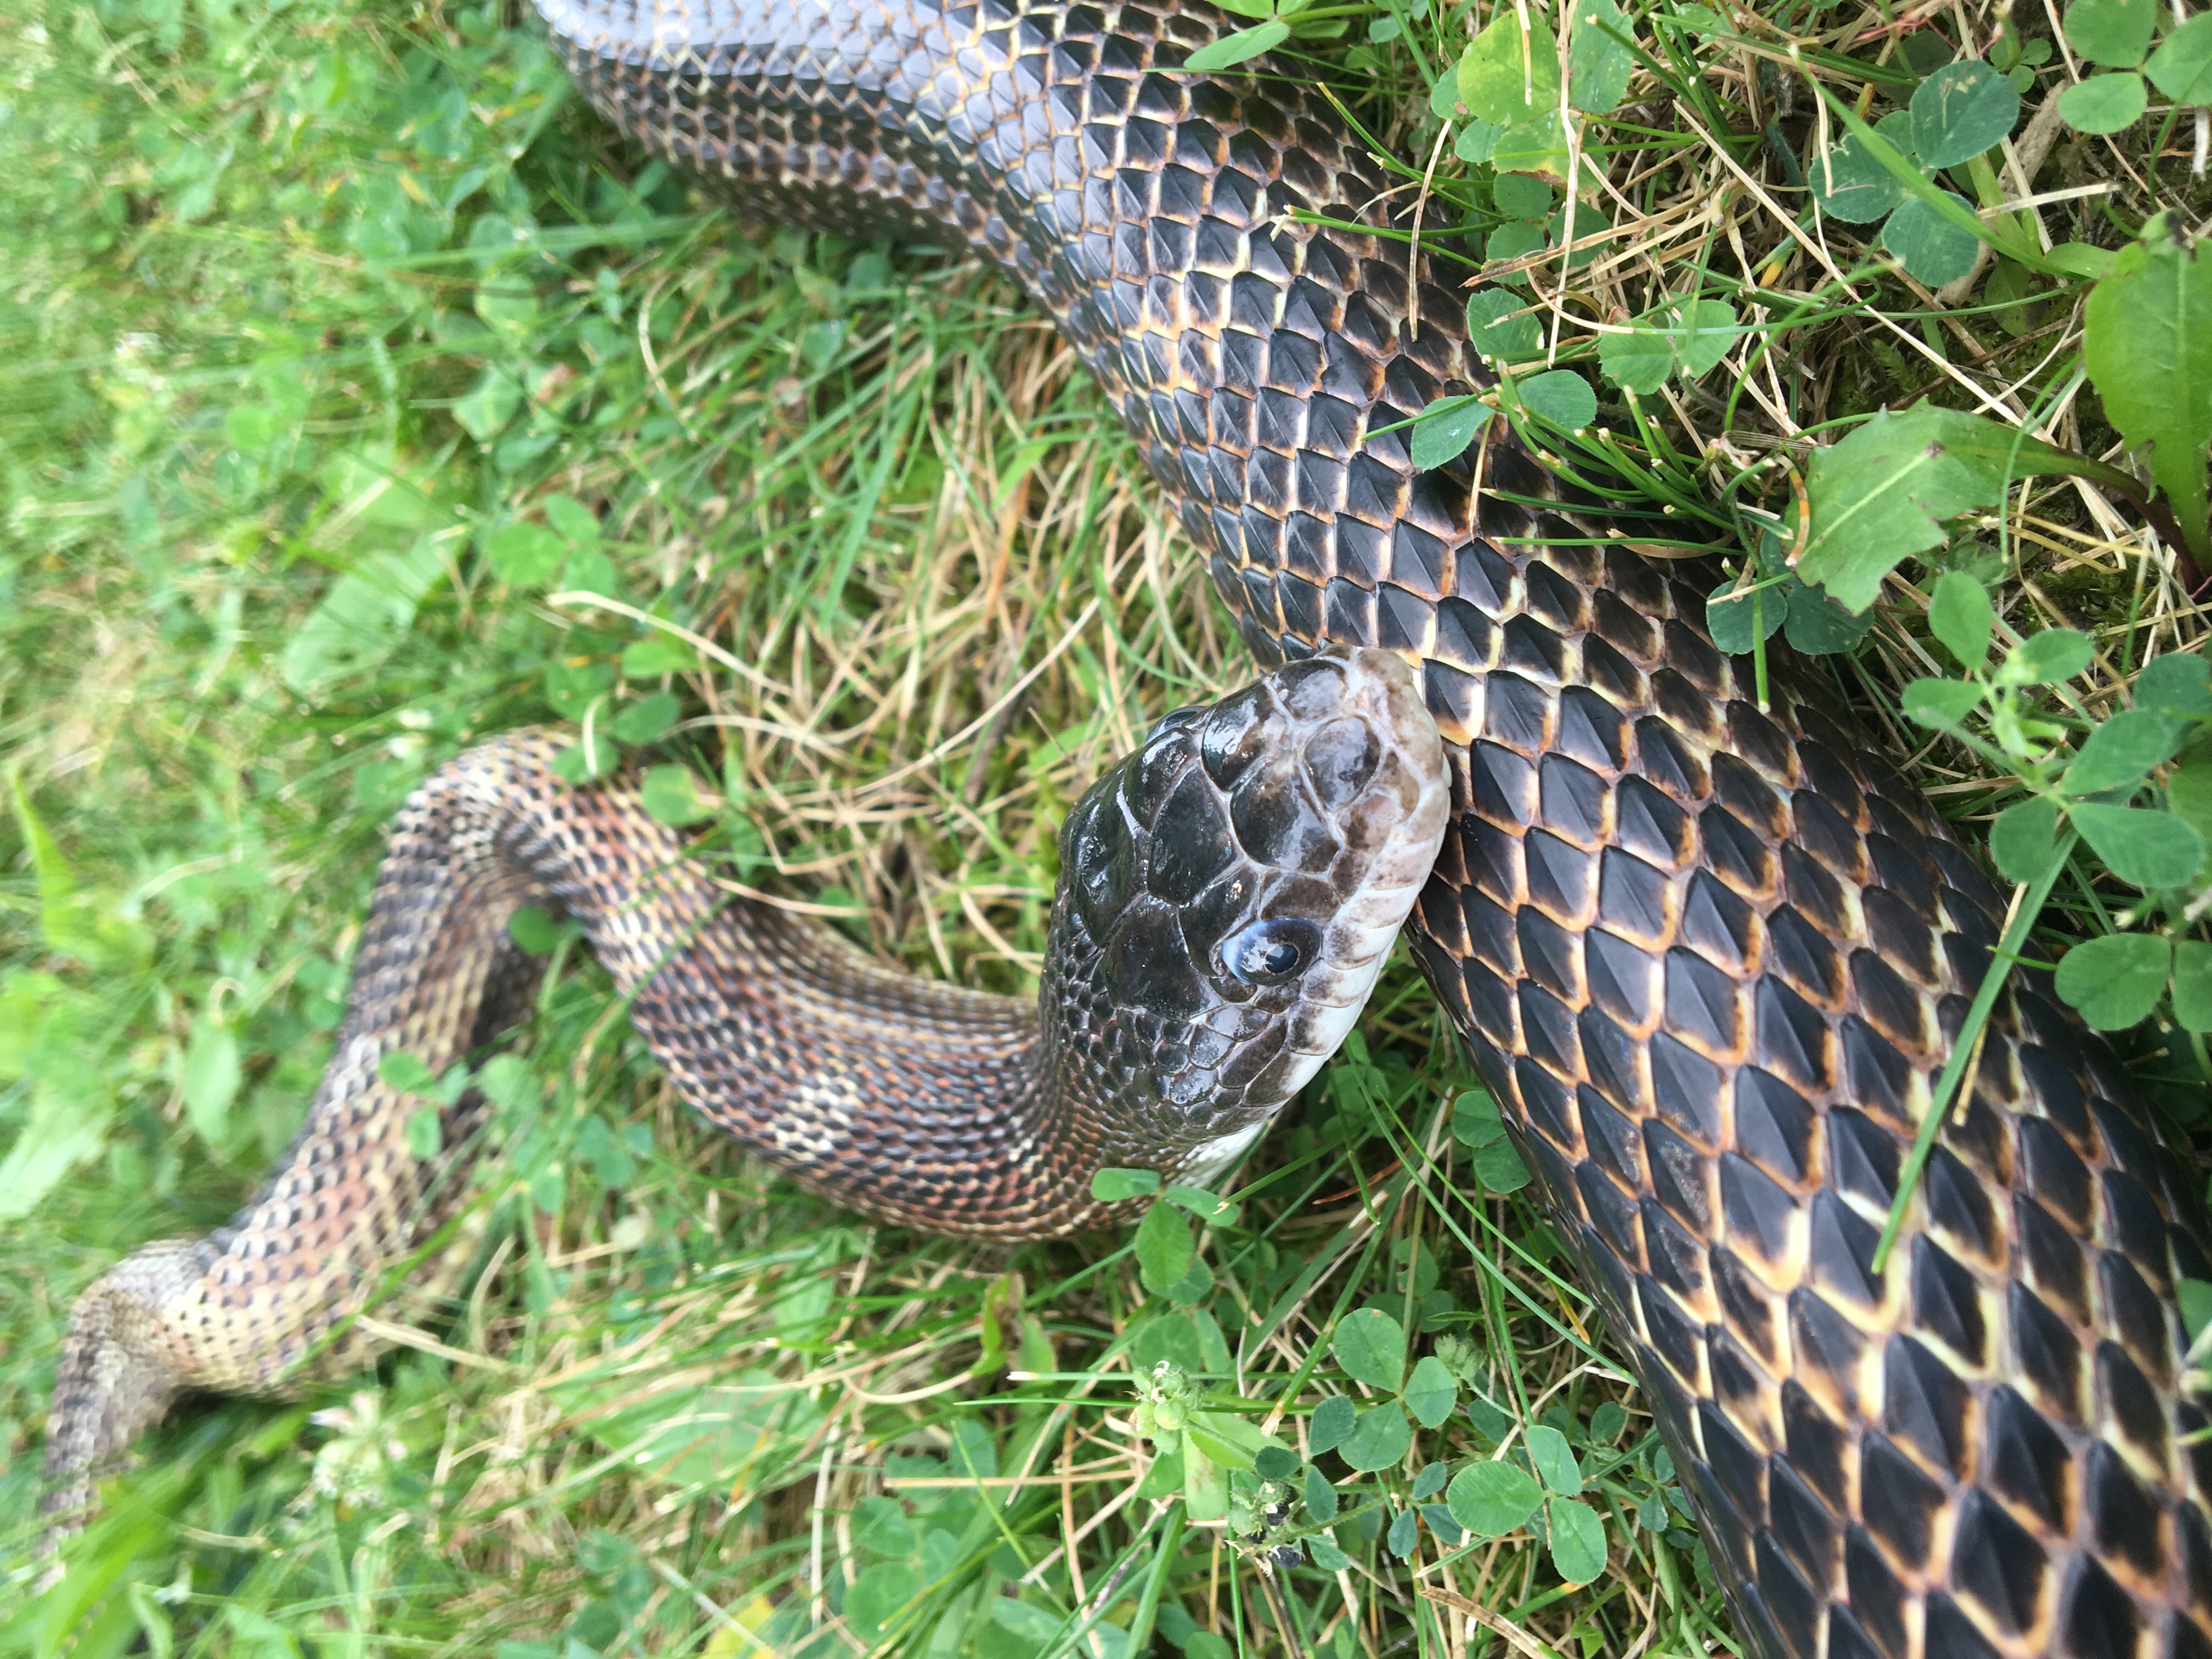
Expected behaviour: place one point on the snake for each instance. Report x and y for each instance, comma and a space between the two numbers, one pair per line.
1707, 947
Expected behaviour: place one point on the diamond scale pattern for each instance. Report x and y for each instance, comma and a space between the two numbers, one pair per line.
1708, 955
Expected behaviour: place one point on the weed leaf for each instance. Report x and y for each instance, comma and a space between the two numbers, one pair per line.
1960, 110
1493, 1498
2120, 753
2117, 981
2113, 32
2181, 67
1370, 1346
2149, 350
2144, 849
1959, 614
1239, 47
1577, 1542
1507, 76
2103, 103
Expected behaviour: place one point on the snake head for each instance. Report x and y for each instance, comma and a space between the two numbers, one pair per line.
1230, 893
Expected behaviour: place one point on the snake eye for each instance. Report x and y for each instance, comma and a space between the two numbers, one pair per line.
1269, 952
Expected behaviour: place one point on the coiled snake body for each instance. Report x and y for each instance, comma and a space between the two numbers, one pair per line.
1709, 957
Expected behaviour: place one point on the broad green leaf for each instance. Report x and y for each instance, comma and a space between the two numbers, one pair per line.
2179, 682
2189, 792
877, 1598
1476, 138
1112, 1186
1204, 1485
1538, 147
1370, 1346
525, 554
1702, 331
1475, 1119
1560, 397
2103, 103
486, 407
1692, 335
1205, 1206
1429, 1482
1639, 359
1940, 703
1960, 615
2192, 986
1556, 1466
1882, 493
1444, 430
670, 795
406, 1072
2146, 850
1380, 1440
536, 934
211, 1078
572, 521
1818, 626
2195, 1297
2117, 981
1599, 64
1274, 1462
1232, 1441
586, 762
425, 1132
1494, 330
1493, 1498
1326, 1556
65, 1128
360, 621
1739, 622
1331, 1423
1961, 110
1499, 1167
1405, 1532
2022, 838
1849, 184
2120, 753
1239, 47
1607, 1422
1577, 1541
1930, 243
2181, 67
2045, 658
657, 654
2113, 32
1320, 1498
646, 718
1165, 1248
2148, 342
1430, 1392
1519, 197
1507, 76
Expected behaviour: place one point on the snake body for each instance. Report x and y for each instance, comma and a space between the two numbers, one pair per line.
1231, 892
1710, 953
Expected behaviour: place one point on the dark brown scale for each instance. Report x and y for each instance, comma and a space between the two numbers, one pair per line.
1709, 955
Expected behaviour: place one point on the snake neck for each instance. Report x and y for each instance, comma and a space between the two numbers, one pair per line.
903, 1098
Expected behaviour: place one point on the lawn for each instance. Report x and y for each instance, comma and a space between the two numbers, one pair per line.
362, 395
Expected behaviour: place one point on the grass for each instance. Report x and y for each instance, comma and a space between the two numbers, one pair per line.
363, 396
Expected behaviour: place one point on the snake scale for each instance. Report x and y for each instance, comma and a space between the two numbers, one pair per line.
1708, 955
